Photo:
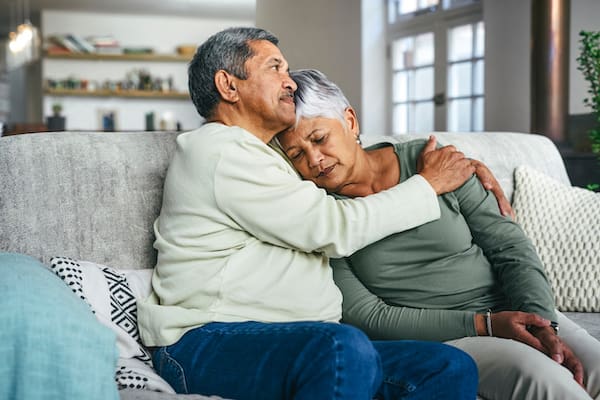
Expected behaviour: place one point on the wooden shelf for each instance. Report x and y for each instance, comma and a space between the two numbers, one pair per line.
121, 57
147, 94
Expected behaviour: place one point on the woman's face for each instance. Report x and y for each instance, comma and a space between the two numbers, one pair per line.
324, 150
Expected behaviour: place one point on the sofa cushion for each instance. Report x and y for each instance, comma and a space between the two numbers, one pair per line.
51, 346
112, 294
563, 224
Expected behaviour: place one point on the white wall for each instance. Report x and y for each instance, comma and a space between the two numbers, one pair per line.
376, 116
325, 35
163, 33
507, 65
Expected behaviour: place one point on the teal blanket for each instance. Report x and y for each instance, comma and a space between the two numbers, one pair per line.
51, 345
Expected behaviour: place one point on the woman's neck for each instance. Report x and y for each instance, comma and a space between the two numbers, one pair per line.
378, 170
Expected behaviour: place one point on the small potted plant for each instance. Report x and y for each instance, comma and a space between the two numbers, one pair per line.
589, 65
56, 122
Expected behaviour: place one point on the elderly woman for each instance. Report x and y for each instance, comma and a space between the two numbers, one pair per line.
471, 279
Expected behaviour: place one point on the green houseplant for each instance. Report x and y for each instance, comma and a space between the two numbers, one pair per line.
589, 65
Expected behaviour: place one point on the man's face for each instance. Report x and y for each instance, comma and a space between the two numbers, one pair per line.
267, 95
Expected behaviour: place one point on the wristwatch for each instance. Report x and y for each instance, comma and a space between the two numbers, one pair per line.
554, 326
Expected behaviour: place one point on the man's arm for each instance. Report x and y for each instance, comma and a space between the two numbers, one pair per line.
264, 196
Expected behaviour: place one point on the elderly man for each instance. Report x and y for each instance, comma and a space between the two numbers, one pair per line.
243, 303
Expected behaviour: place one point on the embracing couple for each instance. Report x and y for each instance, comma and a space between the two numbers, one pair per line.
253, 260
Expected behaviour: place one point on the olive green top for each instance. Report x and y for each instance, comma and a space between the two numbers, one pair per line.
427, 283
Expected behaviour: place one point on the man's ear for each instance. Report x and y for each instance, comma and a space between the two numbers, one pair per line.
226, 85
351, 121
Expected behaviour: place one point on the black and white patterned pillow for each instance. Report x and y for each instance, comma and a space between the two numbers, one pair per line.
112, 298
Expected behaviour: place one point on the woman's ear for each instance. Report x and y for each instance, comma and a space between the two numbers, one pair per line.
352, 121
226, 86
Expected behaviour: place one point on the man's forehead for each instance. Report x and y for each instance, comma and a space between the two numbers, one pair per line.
265, 49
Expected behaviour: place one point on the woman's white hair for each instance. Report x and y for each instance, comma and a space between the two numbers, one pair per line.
317, 96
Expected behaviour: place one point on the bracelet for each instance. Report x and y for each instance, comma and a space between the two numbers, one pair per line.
554, 326
488, 322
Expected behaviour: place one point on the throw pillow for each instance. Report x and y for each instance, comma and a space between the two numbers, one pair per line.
563, 223
111, 294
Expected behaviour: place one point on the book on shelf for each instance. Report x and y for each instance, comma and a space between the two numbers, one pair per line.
83, 45
60, 40
71, 43
138, 50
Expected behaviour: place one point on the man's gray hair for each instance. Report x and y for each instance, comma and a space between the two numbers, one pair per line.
317, 96
227, 50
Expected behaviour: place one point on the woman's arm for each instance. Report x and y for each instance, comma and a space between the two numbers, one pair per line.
381, 321
514, 259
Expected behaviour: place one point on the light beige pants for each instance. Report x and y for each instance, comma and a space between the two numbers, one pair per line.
512, 370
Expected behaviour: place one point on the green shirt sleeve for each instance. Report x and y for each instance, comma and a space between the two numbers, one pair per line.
512, 256
382, 321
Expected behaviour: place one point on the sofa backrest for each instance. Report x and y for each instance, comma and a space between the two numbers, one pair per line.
94, 195
86, 195
502, 152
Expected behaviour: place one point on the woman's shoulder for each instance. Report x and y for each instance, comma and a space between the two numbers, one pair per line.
410, 149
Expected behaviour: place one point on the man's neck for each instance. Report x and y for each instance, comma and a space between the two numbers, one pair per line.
263, 133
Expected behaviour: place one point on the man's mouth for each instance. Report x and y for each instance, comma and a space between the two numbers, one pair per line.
288, 98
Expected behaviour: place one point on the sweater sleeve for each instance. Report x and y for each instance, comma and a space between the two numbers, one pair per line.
511, 253
382, 321
257, 189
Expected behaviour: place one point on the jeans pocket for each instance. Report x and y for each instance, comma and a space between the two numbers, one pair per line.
170, 370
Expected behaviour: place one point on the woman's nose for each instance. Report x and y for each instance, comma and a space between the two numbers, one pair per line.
314, 158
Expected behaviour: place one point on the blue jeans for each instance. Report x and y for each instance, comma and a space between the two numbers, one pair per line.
311, 361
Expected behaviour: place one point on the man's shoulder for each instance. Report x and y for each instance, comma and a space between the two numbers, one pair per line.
212, 138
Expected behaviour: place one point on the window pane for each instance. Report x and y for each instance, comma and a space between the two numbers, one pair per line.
408, 6
427, 3
478, 78
459, 115
400, 89
479, 40
402, 53
458, 3
424, 117
423, 84
391, 11
478, 114
411, 84
400, 119
460, 43
459, 81
424, 49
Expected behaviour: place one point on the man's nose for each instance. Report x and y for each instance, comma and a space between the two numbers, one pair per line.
289, 83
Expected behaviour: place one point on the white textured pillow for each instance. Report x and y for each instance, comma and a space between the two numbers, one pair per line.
111, 294
563, 223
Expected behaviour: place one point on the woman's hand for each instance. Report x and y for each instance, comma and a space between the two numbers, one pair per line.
488, 180
559, 351
536, 332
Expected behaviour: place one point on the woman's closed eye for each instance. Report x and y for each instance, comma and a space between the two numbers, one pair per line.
319, 139
295, 155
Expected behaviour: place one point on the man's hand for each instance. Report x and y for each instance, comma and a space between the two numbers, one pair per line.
488, 180
445, 169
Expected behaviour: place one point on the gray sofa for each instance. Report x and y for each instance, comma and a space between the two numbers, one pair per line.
94, 195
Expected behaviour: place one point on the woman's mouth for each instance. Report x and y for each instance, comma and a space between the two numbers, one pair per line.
326, 171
